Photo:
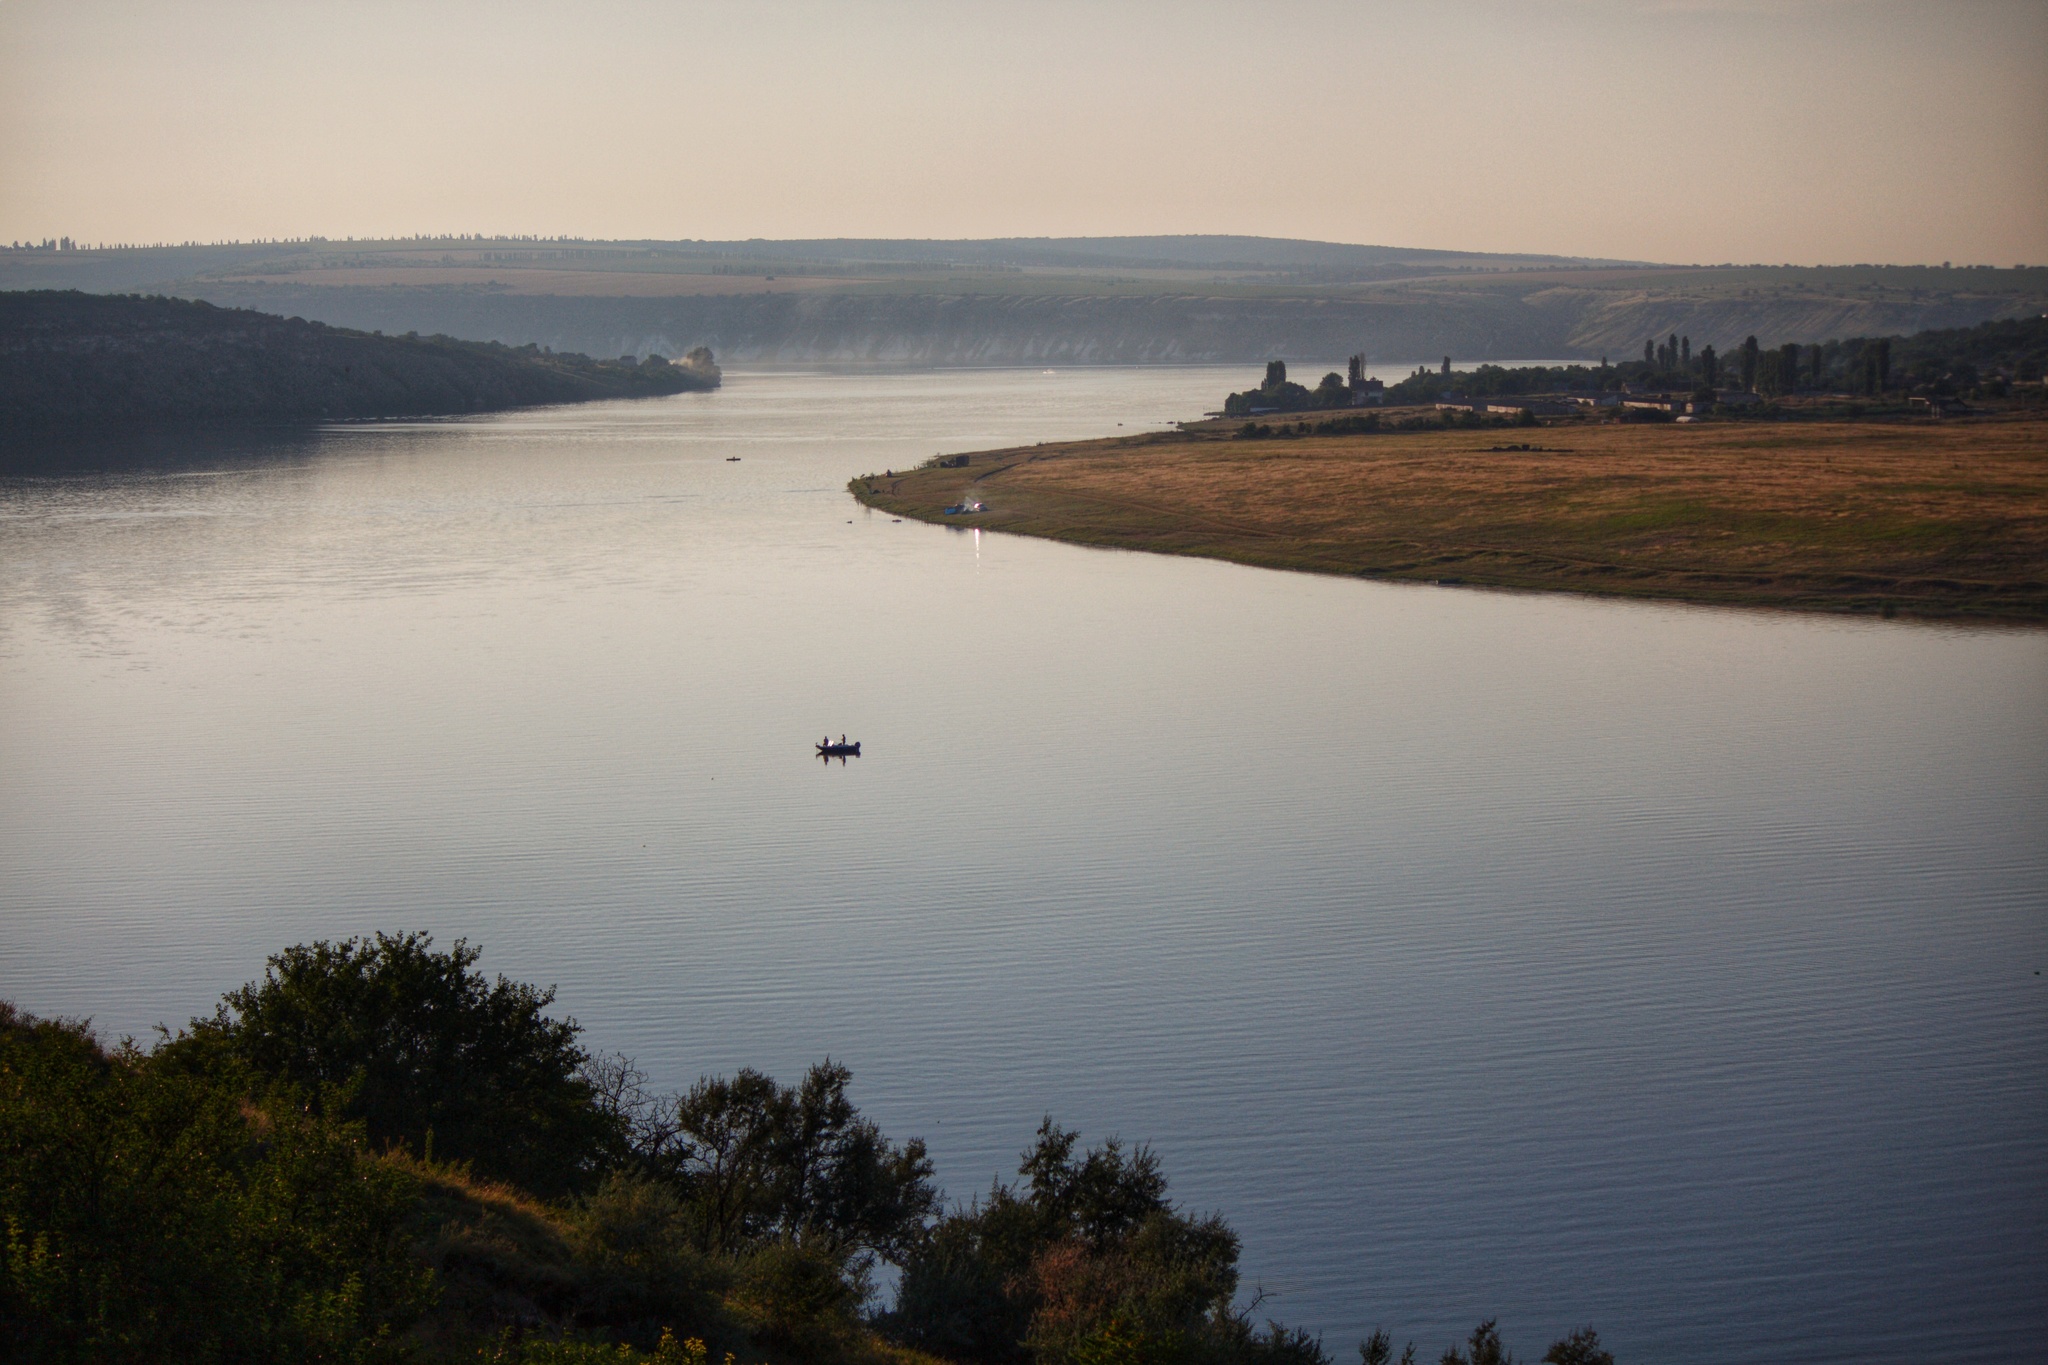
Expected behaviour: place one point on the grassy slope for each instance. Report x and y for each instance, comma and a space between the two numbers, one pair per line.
504, 1259
1925, 519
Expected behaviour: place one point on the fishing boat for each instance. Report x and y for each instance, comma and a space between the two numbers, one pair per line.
839, 750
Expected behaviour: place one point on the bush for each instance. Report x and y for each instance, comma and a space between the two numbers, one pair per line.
152, 1214
798, 1302
427, 1053
1084, 1263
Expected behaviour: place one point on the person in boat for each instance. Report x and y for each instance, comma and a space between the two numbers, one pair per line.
842, 741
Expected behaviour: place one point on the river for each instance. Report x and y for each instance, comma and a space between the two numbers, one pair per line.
1672, 969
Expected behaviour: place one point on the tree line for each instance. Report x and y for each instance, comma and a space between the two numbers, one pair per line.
76, 360
1986, 361
377, 1153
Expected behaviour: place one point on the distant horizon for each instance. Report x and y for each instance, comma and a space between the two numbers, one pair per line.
73, 243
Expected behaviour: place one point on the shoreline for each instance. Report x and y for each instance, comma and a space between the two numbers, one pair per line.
1945, 521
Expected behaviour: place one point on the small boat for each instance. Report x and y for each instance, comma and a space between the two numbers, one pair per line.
839, 750
963, 509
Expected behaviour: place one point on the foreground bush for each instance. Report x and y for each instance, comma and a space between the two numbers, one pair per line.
153, 1215
427, 1052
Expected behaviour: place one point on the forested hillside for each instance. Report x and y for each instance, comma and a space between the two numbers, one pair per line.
75, 360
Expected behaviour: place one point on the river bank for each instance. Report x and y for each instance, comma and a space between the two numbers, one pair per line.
1923, 519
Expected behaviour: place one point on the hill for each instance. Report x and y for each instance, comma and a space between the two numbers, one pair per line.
1011, 301
73, 360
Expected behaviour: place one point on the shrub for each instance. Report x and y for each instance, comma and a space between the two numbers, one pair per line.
152, 1214
1084, 1263
426, 1052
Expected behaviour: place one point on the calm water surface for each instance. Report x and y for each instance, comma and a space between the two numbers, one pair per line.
1665, 968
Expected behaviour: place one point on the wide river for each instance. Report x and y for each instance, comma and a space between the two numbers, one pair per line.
1671, 969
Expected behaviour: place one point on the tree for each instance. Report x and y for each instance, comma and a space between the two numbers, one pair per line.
756, 1162
1817, 366
426, 1052
150, 1212
1650, 353
1085, 1262
1710, 367
1580, 1348
1685, 353
1378, 1349
1485, 1348
1276, 393
1749, 364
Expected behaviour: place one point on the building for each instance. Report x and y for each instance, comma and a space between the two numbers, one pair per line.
1364, 392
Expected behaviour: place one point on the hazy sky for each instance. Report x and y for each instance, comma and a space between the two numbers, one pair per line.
1695, 130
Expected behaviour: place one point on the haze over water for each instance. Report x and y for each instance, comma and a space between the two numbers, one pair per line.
1667, 968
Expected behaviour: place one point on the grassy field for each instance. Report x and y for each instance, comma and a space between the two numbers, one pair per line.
1939, 519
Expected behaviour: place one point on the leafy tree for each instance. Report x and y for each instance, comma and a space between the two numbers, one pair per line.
1084, 1262
1749, 364
427, 1052
1277, 393
1580, 1348
150, 1213
1485, 1347
1710, 367
754, 1162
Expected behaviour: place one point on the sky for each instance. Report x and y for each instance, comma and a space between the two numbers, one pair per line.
1799, 131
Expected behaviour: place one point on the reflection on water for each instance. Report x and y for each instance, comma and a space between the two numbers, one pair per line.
1667, 968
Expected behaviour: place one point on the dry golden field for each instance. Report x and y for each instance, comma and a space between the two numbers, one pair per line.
1926, 518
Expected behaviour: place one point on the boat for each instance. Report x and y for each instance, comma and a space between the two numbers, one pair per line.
962, 509
839, 750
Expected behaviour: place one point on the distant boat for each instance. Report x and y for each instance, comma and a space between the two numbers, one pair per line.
839, 750
732, 459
